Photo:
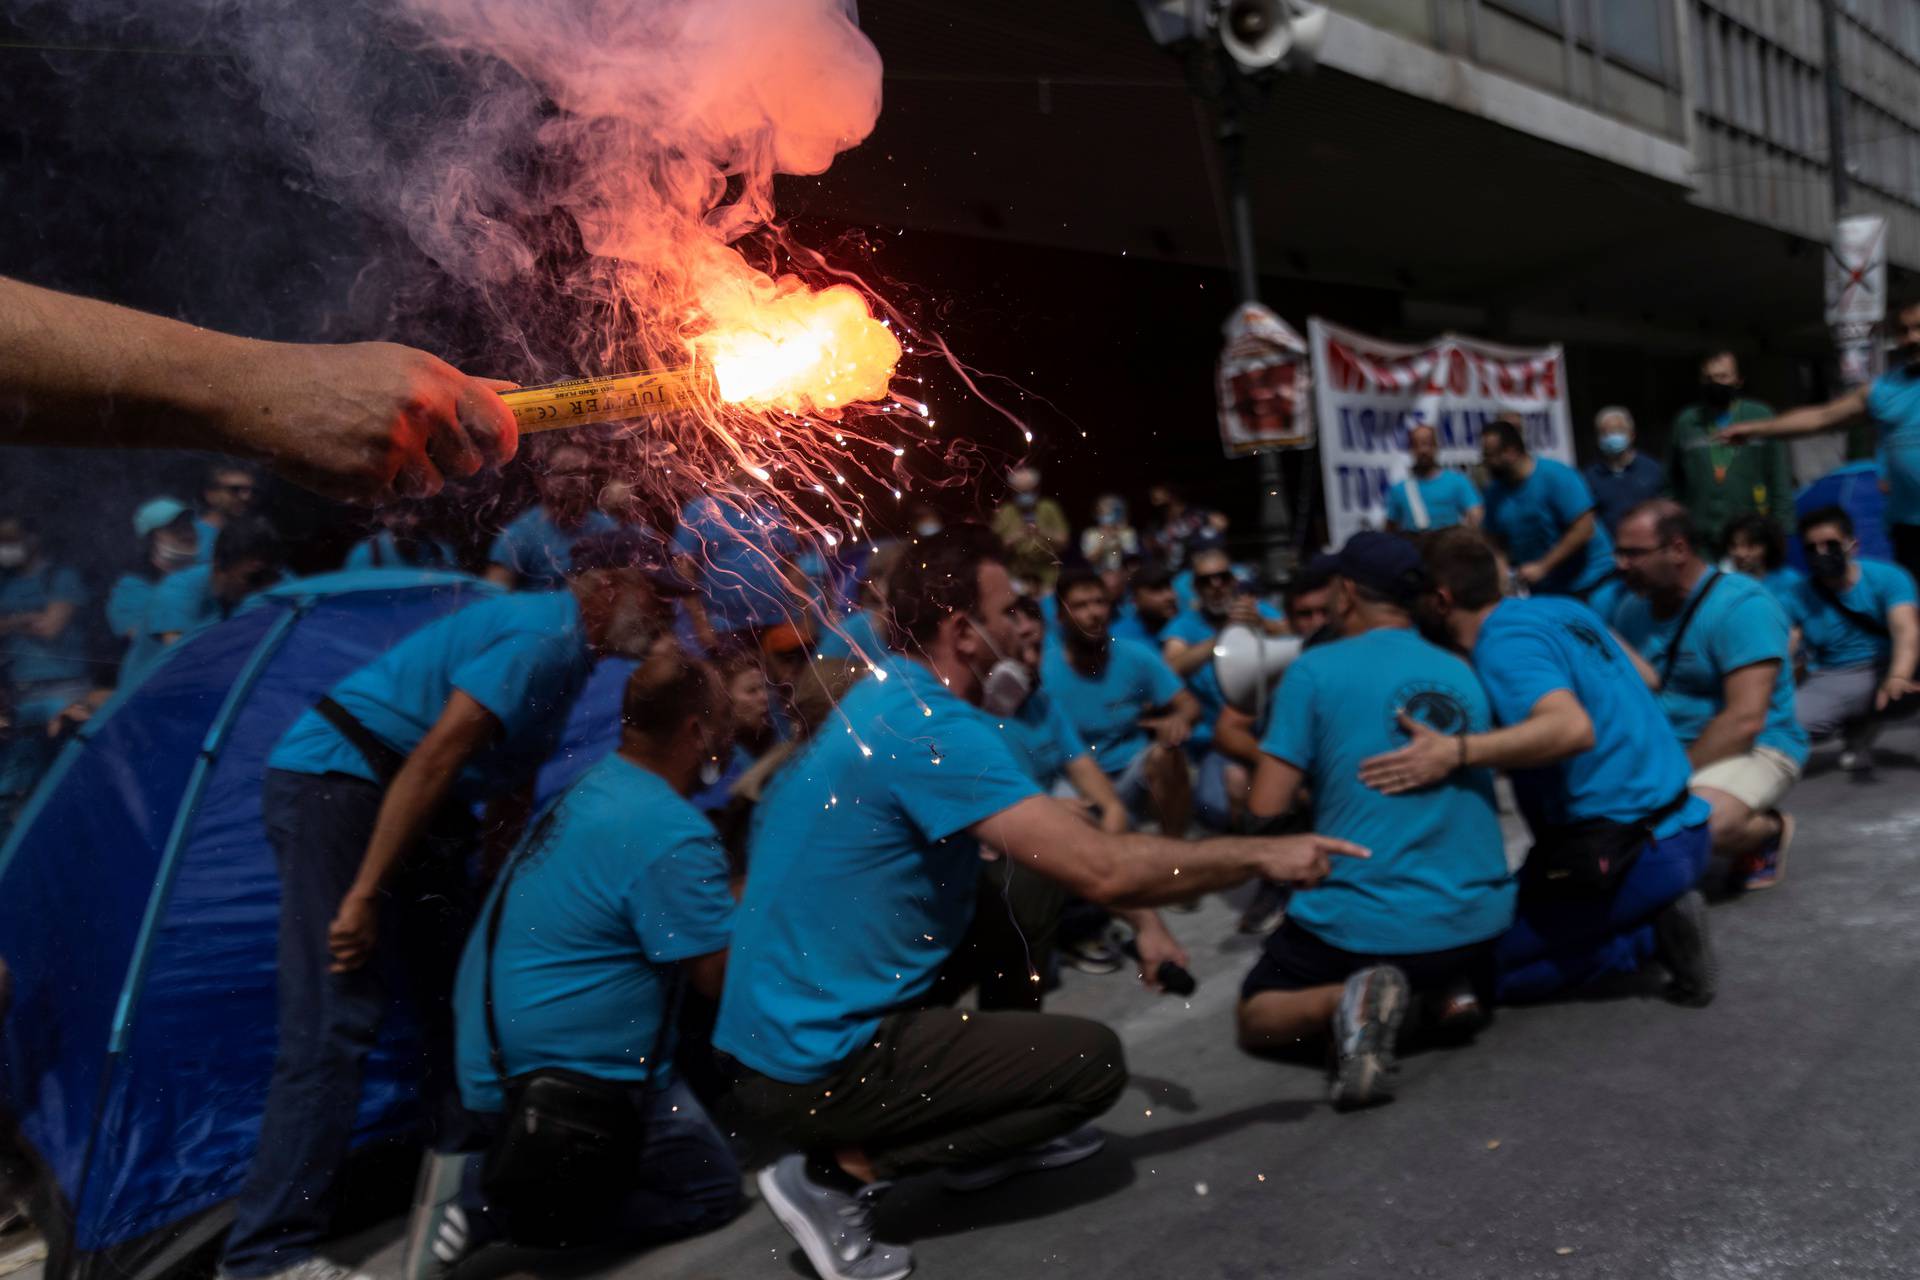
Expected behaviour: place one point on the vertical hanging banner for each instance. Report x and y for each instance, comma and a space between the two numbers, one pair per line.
1857, 294
1261, 384
1369, 393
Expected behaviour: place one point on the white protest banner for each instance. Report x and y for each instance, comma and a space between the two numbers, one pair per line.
1857, 293
1367, 393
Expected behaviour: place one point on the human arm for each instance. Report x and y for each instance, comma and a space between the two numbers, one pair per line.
1577, 535
1903, 625
1233, 736
1557, 728
1174, 726
1140, 870
1097, 789
1187, 656
501, 576
1745, 695
707, 974
47, 623
1803, 421
359, 421
1648, 676
412, 798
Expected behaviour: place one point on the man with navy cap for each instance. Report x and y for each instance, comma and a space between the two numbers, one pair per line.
1422, 914
365, 805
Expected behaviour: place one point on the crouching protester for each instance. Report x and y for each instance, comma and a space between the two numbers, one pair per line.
861, 883
368, 801
1619, 841
564, 1008
1420, 916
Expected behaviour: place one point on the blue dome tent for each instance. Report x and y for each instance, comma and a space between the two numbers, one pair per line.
138, 914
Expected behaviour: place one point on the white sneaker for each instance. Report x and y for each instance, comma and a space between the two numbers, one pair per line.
834, 1228
314, 1268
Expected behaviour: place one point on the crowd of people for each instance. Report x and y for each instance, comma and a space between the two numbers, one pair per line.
822, 886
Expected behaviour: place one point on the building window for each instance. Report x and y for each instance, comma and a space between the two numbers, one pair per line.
1544, 12
1634, 34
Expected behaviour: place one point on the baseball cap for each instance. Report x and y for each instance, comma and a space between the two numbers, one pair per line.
1383, 563
157, 513
631, 549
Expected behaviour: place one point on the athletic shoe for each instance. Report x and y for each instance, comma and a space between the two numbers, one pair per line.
1092, 955
440, 1234
1767, 866
1456, 1014
1057, 1153
1366, 1030
1268, 908
832, 1227
1682, 943
315, 1268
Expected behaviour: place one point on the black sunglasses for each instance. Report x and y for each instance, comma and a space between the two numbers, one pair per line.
1208, 579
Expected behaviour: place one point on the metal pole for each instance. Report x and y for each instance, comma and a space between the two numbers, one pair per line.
1232, 136
1836, 105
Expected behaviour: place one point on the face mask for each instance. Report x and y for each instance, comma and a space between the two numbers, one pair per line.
1717, 394
170, 558
1828, 564
1029, 499
1614, 443
1007, 685
12, 554
1109, 518
926, 528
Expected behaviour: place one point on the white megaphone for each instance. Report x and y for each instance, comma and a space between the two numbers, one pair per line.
1248, 663
1262, 34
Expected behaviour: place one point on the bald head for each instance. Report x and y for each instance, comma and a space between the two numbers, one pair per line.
1657, 550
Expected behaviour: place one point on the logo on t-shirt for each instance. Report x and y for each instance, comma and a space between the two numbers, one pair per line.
1434, 705
1587, 636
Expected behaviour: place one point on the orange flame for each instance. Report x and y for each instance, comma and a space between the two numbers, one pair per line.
786, 347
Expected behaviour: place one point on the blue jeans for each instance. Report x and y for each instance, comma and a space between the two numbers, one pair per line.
685, 1180
329, 1022
1557, 947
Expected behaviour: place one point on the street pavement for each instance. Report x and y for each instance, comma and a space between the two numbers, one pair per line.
1775, 1134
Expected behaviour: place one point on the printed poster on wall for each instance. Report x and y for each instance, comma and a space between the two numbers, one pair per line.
1368, 393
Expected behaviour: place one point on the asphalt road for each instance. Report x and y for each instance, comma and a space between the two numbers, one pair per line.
1775, 1134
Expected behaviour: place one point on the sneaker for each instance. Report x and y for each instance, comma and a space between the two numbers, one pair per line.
1056, 1153
1456, 1014
440, 1234
833, 1228
1684, 947
1767, 866
1366, 1030
1268, 908
314, 1268
1092, 955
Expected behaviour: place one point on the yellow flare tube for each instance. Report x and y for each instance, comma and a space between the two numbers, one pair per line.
614, 398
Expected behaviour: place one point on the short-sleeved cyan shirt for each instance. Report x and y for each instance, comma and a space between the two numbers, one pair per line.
1832, 639
861, 874
1529, 518
1106, 708
31, 659
619, 880
1533, 647
1893, 402
1437, 878
522, 657
858, 636
539, 551
1042, 738
1736, 625
1447, 496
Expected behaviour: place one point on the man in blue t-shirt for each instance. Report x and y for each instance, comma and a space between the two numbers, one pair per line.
1154, 603
464, 709
1541, 514
1421, 914
41, 652
1124, 700
1431, 497
1856, 624
862, 881
533, 552
399, 542
1187, 646
615, 901
1597, 771
248, 556
1892, 403
1719, 659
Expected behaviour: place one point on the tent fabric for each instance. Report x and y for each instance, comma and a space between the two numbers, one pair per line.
1855, 488
138, 915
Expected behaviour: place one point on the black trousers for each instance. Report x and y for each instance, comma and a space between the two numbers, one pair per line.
1906, 546
939, 1087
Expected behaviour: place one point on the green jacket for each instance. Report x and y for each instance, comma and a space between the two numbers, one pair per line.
1717, 482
